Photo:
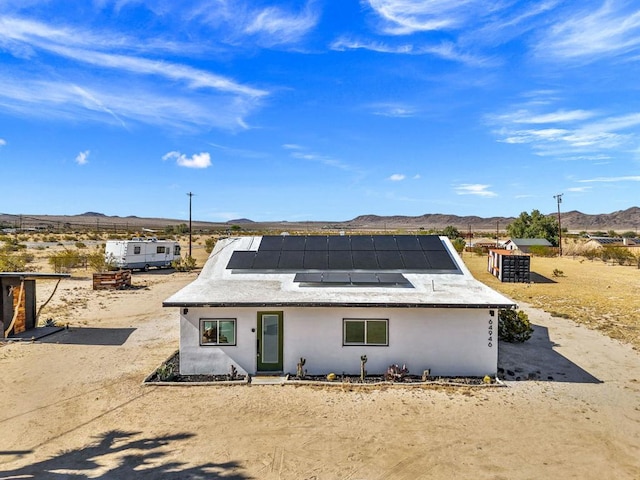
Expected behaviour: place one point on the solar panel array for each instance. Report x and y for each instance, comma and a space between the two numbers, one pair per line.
352, 278
345, 252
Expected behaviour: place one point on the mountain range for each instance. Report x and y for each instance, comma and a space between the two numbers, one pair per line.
574, 221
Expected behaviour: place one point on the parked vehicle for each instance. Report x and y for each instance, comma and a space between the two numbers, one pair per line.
141, 253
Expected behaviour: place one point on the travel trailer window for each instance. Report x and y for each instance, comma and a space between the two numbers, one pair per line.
217, 331
136, 250
365, 332
160, 250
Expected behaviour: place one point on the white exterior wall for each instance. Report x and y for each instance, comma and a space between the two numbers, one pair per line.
449, 342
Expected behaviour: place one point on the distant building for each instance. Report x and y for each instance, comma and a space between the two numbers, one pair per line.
524, 245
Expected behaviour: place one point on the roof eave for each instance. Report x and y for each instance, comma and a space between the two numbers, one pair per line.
341, 304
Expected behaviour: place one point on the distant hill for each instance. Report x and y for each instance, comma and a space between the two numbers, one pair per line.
240, 220
620, 221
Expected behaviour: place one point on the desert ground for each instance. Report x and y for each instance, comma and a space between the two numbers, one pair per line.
74, 404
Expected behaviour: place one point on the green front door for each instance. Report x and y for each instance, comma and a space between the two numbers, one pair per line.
269, 342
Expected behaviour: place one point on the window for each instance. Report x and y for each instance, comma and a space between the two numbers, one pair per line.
136, 249
217, 331
159, 249
176, 250
365, 332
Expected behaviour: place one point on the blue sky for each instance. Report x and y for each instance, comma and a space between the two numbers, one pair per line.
318, 110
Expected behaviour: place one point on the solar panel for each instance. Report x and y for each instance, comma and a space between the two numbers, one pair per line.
361, 242
385, 242
414, 260
271, 242
241, 260
392, 279
315, 260
316, 243
440, 260
291, 260
336, 277
339, 243
364, 278
364, 260
430, 242
340, 260
333, 252
308, 277
292, 242
408, 242
389, 259
266, 260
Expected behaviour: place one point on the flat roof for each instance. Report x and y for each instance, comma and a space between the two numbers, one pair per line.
34, 275
219, 286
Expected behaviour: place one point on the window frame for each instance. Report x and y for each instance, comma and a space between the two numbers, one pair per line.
160, 249
137, 249
217, 343
365, 343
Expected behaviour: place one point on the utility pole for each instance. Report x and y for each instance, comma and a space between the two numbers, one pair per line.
558, 198
190, 195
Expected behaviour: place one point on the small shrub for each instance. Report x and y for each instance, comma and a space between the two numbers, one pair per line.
65, 260
542, 251
185, 264
165, 372
514, 326
209, 243
81, 245
557, 273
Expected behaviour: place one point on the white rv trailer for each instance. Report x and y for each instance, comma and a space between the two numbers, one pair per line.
141, 253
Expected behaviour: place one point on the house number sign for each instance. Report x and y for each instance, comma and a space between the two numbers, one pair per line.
490, 340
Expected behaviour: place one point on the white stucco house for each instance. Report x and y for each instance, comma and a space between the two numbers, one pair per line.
262, 303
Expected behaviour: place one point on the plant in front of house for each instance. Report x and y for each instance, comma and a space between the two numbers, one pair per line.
396, 373
363, 372
514, 326
233, 374
300, 371
165, 372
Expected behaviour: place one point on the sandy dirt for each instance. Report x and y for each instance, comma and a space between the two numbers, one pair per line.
74, 406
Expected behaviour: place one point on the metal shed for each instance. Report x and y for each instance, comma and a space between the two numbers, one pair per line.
508, 266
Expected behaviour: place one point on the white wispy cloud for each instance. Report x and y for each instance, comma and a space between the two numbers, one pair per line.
74, 44
578, 189
403, 17
302, 153
60, 99
276, 26
395, 110
2, 142
445, 50
559, 116
120, 85
397, 177
197, 160
628, 178
612, 29
83, 157
477, 189
568, 133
